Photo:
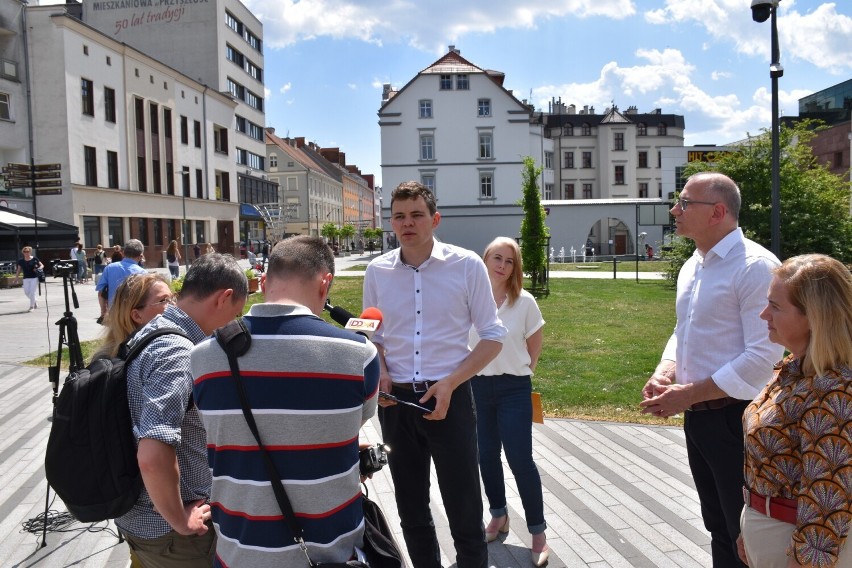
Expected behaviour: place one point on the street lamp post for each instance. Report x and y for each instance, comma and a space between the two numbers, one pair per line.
761, 10
183, 190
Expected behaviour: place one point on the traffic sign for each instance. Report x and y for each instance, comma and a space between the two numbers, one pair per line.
48, 183
45, 167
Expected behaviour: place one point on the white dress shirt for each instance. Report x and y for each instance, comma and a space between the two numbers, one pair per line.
719, 333
428, 310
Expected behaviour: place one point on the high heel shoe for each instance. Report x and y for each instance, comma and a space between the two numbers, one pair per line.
540, 558
502, 529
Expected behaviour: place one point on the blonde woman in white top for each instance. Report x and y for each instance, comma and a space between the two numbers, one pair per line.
502, 395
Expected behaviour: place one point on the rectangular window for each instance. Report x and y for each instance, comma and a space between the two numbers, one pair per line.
90, 159
429, 181
618, 141
643, 190
587, 129
199, 184
548, 191
568, 130
446, 82
642, 129
154, 113
5, 107
88, 95
91, 229
661, 129
427, 148
184, 182
157, 232
643, 159
462, 82
569, 191
484, 107
587, 159
425, 109
486, 147
196, 131
486, 186
619, 175
141, 174
115, 226
139, 113
170, 178
220, 139
156, 176
199, 232
273, 160
548, 160
109, 104
112, 170
587, 191
659, 159
167, 124
569, 160
184, 130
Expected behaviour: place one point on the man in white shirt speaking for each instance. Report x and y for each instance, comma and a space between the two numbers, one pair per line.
430, 294
719, 356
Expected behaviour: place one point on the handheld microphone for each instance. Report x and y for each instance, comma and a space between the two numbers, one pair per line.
366, 325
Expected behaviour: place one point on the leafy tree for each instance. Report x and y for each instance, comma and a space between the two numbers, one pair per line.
814, 202
534, 233
346, 232
329, 231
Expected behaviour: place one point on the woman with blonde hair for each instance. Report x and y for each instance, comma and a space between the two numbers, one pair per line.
139, 299
173, 259
798, 431
502, 392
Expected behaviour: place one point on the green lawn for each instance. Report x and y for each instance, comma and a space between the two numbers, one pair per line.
602, 340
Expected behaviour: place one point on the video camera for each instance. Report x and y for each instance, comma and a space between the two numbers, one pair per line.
373, 459
60, 267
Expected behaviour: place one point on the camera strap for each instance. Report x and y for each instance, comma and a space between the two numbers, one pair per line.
235, 340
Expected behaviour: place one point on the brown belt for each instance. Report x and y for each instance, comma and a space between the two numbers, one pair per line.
775, 507
715, 404
416, 386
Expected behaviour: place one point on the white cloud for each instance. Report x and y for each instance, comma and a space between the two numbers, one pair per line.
352, 86
267, 93
716, 75
425, 25
665, 80
820, 36
285, 88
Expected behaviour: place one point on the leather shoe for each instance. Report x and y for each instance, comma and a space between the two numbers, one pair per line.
540, 558
491, 536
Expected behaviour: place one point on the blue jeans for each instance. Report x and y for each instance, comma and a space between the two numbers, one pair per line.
504, 421
451, 444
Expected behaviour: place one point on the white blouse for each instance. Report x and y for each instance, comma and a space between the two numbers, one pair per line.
522, 319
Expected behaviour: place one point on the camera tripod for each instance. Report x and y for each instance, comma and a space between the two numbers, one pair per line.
67, 336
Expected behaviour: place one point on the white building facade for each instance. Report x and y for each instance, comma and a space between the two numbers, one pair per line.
457, 130
220, 44
141, 146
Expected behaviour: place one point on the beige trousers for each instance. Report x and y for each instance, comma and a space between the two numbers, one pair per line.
766, 541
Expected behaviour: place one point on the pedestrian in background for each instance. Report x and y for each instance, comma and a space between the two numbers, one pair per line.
100, 261
173, 259
82, 264
503, 395
28, 266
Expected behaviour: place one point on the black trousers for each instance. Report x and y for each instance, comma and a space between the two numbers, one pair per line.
451, 444
714, 444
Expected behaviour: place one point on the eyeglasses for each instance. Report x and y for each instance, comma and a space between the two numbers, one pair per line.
164, 301
683, 202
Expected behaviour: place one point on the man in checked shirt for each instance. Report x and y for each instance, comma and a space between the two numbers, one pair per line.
169, 525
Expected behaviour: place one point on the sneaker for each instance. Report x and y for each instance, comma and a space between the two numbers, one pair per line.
100, 320
31, 309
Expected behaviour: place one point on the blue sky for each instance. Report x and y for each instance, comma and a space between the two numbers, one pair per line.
326, 60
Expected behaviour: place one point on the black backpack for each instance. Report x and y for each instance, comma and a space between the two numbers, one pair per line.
91, 453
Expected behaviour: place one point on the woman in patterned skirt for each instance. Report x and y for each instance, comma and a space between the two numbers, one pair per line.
798, 431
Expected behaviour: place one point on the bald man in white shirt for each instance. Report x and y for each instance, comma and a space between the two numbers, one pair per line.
719, 356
